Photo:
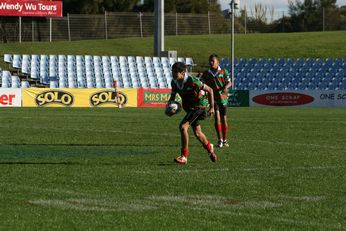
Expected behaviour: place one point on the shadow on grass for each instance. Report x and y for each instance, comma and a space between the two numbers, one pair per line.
37, 163
92, 145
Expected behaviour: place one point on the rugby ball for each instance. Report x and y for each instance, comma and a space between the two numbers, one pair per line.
172, 108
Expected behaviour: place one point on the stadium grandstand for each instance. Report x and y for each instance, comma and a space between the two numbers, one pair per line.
87, 71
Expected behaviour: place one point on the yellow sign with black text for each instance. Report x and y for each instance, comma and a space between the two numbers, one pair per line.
66, 97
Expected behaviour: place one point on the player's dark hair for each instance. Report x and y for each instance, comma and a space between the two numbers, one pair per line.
179, 67
212, 56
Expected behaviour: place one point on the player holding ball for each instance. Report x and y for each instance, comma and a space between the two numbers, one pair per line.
196, 98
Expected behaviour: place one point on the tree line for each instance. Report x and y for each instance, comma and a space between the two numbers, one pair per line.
171, 6
304, 15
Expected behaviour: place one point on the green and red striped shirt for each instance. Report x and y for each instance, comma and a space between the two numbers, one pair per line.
217, 81
191, 92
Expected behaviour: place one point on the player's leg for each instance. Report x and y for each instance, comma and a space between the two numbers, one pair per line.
224, 124
218, 126
184, 135
197, 130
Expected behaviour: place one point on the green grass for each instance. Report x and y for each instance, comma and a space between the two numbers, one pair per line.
293, 45
109, 169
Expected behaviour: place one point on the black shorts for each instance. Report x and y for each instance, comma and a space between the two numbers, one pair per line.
194, 116
222, 108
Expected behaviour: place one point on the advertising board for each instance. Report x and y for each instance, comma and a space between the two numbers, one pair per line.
31, 8
315, 98
10, 97
65, 97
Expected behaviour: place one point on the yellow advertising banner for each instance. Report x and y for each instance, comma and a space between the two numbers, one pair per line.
72, 97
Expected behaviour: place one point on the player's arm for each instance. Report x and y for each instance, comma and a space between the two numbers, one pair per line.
210, 98
228, 82
228, 86
172, 97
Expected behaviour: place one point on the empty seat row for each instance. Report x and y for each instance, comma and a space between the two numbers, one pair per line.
86, 71
288, 74
12, 81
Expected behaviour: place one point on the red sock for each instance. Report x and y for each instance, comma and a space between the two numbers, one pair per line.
219, 130
207, 147
185, 152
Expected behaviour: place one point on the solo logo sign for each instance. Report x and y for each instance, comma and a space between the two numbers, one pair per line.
108, 96
54, 97
283, 99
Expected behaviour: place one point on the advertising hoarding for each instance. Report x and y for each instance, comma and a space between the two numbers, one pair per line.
315, 98
153, 97
31, 8
10, 97
65, 97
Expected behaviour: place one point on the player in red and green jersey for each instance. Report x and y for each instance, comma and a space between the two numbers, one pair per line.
195, 102
218, 79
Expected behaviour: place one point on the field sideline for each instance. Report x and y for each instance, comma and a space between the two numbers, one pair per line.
109, 169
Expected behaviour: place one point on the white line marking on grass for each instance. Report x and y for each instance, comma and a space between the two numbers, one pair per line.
277, 219
73, 204
92, 205
303, 198
213, 204
292, 143
293, 168
174, 135
183, 171
242, 169
216, 201
103, 131
40, 189
205, 170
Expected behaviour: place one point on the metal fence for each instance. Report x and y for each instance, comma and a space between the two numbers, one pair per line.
115, 25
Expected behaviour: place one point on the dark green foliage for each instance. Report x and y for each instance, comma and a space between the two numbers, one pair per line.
306, 15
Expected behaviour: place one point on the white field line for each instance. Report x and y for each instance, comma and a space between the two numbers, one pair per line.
210, 204
40, 189
101, 204
242, 169
215, 201
201, 203
182, 170
176, 134
302, 198
279, 220
292, 143
92, 205
293, 168
313, 122
111, 130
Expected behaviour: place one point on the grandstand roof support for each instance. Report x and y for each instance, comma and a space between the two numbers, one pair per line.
233, 5
159, 30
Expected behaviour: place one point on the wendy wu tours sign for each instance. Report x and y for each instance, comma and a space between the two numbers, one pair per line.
30, 8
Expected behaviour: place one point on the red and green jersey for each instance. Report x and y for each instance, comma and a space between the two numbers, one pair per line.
217, 80
191, 92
